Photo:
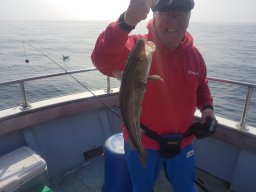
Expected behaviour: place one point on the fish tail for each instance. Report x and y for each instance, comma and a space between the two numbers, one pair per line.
143, 158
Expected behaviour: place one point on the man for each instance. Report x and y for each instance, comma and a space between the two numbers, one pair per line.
168, 107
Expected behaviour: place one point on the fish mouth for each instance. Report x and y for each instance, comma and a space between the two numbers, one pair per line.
150, 47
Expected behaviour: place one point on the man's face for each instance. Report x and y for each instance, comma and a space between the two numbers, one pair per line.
171, 27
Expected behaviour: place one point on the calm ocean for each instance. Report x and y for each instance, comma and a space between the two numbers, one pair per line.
229, 51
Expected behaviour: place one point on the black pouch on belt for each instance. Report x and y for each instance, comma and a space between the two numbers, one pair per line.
170, 145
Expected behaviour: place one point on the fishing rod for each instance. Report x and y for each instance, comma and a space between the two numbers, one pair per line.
85, 87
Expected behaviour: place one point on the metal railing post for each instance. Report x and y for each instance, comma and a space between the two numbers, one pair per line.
242, 123
108, 84
25, 104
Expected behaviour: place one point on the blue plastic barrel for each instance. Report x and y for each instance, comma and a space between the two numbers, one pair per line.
116, 176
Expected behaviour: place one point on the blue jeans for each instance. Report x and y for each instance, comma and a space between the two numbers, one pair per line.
180, 170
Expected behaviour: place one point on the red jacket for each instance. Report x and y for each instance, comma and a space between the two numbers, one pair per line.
169, 106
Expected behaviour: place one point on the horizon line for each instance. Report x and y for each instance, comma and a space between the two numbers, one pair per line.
96, 20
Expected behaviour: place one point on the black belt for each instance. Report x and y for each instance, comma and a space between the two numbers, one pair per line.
197, 129
170, 143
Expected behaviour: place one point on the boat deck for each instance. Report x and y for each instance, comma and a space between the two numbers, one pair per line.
90, 178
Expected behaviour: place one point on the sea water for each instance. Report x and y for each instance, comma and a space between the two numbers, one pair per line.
228, 49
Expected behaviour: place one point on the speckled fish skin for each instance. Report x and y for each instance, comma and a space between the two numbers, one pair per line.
133, 87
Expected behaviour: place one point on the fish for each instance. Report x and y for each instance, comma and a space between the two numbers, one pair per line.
132, 91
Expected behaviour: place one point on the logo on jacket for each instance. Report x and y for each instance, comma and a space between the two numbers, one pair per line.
190, 153
193, 72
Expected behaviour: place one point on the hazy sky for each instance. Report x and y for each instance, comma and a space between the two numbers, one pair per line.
205, 10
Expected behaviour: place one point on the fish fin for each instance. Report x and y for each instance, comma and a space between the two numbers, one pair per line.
142, 132
154, 77
143, 158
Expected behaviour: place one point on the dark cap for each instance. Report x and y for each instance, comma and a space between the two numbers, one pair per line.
173, 5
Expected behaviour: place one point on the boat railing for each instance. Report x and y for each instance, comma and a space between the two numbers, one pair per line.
25, 103
249, 87
20, 82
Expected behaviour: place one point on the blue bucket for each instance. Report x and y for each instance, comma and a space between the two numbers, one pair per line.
116, 176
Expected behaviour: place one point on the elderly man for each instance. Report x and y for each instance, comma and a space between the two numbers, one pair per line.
168, 107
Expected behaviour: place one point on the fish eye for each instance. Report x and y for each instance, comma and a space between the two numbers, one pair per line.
139, 59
